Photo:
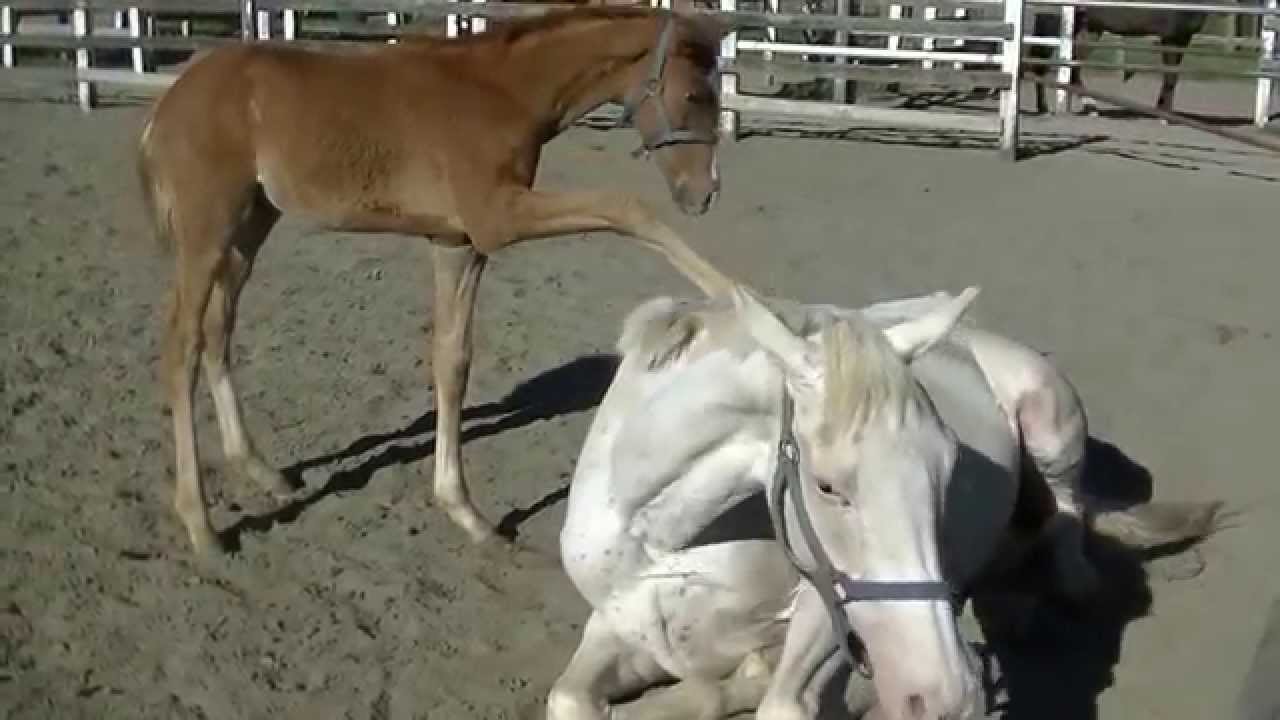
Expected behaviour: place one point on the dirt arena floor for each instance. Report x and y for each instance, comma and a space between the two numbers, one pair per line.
1142, 257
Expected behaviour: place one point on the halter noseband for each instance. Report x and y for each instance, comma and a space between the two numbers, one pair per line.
825, 577
652, 90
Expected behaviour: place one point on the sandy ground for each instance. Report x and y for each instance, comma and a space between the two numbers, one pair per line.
1144, 261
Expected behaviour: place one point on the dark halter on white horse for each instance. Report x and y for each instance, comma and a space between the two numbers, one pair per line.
652, 90
825, 577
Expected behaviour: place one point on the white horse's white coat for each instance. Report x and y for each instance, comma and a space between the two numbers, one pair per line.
689, 430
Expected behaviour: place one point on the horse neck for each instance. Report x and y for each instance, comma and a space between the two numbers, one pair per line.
569, 70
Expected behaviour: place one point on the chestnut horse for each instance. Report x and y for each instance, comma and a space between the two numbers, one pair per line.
438, 138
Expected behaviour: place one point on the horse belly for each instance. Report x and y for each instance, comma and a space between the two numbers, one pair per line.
344, 152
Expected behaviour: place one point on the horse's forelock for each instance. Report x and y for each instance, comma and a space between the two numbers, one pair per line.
863, 377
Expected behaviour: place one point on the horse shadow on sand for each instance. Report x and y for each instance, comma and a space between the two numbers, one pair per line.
574, 387
1057, 666
1064, 656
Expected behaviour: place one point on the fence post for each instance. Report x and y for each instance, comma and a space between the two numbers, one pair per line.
959, 43
8, 26
1066, 53
82, 27
247, 14
928, 43
771, 35
728, 80
289, 24
392, 22
479, 24
264, 24
136, 31
1262, 98
840, 89
1011, 64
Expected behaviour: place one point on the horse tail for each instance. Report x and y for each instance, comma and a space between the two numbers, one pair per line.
156, 199
1154, 524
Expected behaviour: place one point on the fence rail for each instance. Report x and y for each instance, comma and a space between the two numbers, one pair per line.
940, 55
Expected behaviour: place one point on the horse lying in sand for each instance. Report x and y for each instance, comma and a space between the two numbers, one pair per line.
435, 138
896, 447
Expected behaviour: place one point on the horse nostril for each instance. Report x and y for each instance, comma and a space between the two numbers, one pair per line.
915, 707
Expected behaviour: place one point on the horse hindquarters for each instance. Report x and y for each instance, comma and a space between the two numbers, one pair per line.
1046, 415
196, 168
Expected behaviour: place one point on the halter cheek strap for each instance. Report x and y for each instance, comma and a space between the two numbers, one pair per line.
824, 576
652, 90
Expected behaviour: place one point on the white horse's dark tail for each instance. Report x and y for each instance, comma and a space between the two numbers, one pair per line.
1154, 524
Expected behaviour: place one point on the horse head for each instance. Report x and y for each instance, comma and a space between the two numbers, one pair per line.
871, 463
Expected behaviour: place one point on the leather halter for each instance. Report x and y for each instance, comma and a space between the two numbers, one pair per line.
825, 577
652, 90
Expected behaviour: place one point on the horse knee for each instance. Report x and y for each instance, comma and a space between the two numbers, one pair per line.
565, 703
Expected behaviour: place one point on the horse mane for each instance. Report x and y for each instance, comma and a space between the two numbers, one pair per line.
693, 41
864, 374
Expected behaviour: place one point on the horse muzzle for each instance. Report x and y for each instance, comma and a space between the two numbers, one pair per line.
695, 202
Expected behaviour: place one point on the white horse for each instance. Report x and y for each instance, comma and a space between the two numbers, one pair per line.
902, 439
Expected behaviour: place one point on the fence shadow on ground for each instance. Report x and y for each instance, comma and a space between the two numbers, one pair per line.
1030, 144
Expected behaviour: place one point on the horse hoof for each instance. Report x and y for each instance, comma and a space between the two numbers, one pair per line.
264, 476
206, 543
522, 555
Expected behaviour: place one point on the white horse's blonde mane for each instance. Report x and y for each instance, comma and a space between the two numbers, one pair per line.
864, 375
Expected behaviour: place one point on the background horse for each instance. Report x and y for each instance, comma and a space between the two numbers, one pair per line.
901, 457
1174, 29
435, 138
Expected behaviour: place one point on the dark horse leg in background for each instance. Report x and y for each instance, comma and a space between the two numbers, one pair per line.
1174, 29
1169, 84
1050, 25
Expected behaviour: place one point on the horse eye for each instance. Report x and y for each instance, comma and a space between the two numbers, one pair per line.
825, 488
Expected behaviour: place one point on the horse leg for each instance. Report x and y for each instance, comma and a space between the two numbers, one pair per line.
806, 653
197, 265
1169, 82
602, 668
1045, 413
1054, 434
702, 699
1043, 25
536, 214
457, 275
219, 324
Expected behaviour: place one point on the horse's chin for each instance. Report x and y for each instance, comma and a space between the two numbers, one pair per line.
696, 207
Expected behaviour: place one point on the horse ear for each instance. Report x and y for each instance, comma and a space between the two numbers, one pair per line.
708, 27
793, 352
915, 337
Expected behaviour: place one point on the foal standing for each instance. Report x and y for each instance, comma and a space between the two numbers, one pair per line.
435, 138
